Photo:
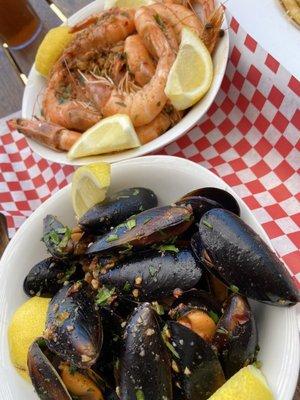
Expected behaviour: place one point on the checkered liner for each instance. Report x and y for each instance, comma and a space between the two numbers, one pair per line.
249, 137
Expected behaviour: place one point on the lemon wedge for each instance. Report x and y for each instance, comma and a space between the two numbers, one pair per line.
111, 134
51, 49
247, 384
126, 3
192, 72
89, 186
27, 323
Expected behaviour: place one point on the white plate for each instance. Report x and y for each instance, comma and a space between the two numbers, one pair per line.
170, 178
36, 84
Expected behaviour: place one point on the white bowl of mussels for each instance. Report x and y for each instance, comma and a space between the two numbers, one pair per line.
164, 274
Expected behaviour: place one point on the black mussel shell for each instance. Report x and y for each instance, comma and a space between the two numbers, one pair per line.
225, 199
112, 341
117, 208
196, 368
145, 371
49, 275
153, 226
236, 336
57, 237
200, 205
238, 256
44, 377
73, 327
154, 275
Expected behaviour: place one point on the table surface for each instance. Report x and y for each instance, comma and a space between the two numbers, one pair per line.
15, 65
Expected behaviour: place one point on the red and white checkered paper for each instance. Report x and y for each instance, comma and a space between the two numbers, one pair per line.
250, 137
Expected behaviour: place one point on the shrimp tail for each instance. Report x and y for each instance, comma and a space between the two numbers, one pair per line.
48, 134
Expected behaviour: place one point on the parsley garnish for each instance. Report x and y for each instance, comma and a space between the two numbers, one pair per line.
206, 223
131, 223
169, 247
104, 296
139, 395
112, 238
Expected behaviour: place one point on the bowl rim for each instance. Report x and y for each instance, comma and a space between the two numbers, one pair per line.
172, 134
289, 375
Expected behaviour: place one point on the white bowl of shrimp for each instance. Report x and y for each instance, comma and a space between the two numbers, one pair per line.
37, 89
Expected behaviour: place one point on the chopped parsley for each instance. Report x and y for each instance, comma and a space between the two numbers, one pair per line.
127, 287
104, 296
169, 247
234, 288
136, 192
139, 395
58, 237
206, 223
112, 238
131, 223
152, 270
213, 316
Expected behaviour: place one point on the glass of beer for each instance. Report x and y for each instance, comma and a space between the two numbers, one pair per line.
19, 24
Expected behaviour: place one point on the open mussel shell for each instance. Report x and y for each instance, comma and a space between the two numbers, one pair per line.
200, 205
44, 377
239, 257
145, 371
196, 368
198, 311
236, 336
153, 274
220, 196
57, 237
153, 226
117, 208
56, 380
48, 276
73, 327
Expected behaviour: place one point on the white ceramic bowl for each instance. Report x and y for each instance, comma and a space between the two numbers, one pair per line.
170, 178
36, 84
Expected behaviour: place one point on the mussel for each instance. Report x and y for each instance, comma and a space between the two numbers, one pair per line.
44, 377
200, 205
220, 196
57, 237
153, 274
117, 208
73, 328
49, 275
239, 257
197, 370
236, 336
57, 380
198, 311
145, 371
157, 225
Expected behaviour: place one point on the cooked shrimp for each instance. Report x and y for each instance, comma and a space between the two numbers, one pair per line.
64, 108
145, 104
178, 16
111, 27
139, 61
168, 117
207, 27
50, 135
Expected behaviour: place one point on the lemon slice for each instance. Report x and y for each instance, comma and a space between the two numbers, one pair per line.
126, 3
89, 186
192, 72
51, 49
111, 134
247, 384
27, 323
